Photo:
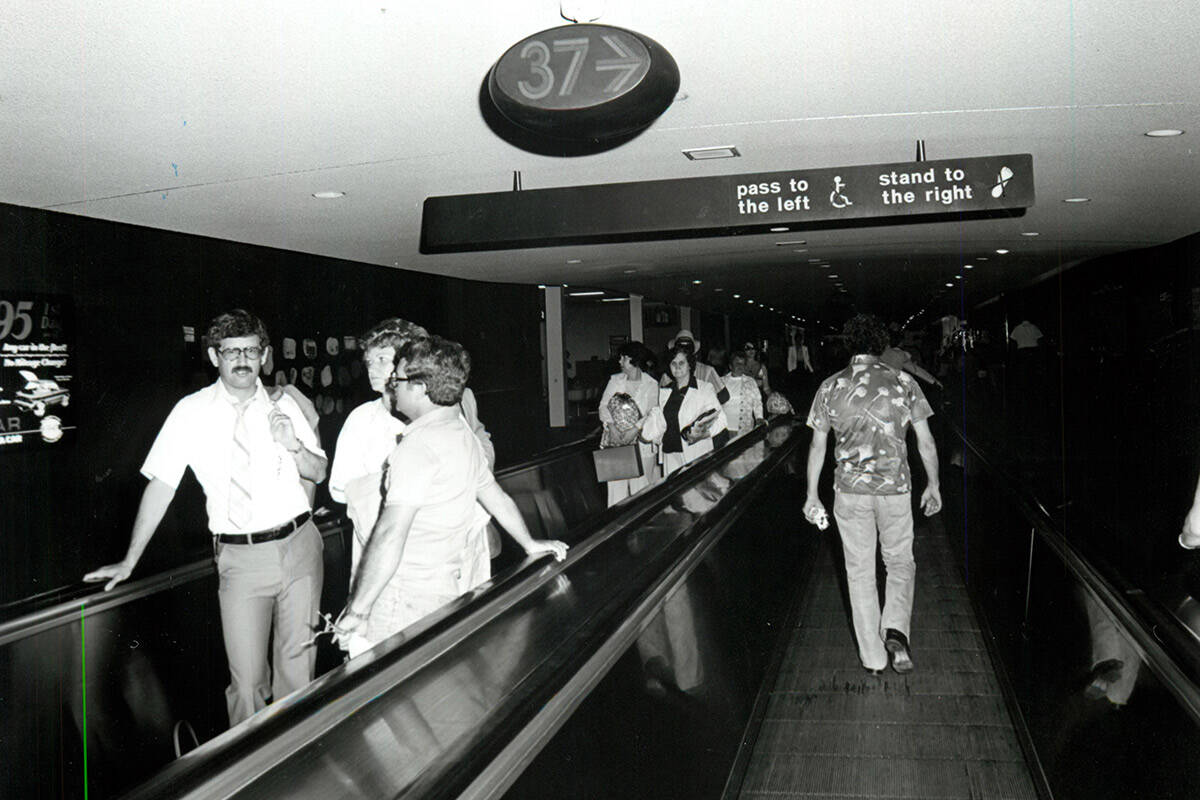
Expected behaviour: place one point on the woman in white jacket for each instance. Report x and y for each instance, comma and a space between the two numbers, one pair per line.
644, 391
687, 416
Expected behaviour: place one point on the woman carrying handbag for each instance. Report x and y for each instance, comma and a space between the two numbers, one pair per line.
688, 415
628, 397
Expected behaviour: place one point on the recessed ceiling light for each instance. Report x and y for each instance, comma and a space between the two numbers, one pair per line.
815, 260
824, 266
968, 266
791, 243
751, 302
1029, 233
1077, 200
736, 296
982, 258
697, 281
541, 286
328, 195
574, 260
781, 229
1164, 132
584, 294
630, 271
949, 285
1002, 252
707, 153
958, 277
800, 250
831, 275
615, 300
718, 289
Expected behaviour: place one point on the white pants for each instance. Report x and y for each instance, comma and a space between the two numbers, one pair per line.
860, 518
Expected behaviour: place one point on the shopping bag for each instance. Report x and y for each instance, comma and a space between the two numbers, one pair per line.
618, 463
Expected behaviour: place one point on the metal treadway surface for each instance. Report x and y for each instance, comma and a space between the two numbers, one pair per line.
832, 730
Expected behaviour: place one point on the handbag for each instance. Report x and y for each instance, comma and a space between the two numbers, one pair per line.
618, 463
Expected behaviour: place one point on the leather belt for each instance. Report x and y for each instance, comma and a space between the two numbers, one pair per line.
270, 535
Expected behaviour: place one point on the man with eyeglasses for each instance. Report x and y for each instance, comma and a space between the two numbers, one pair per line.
412, 562
248, 453
370, 434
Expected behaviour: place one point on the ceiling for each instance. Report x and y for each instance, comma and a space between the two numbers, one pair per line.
223, 118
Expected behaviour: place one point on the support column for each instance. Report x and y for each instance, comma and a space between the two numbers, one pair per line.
635, 318
685, 319
556, 379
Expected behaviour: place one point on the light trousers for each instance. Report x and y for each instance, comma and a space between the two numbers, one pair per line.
273, 583
861, 518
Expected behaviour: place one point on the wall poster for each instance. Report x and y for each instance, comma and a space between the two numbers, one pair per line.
36, 370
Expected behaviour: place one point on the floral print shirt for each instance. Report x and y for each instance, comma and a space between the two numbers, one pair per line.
869, 407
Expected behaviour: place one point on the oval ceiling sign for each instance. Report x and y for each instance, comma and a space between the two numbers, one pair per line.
584, 81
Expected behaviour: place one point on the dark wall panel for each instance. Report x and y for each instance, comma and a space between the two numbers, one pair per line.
134, 289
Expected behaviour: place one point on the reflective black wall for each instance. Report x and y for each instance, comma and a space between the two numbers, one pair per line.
63, 511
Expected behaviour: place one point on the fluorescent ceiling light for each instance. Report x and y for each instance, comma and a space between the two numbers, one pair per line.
574, 260
1029, 233
780, 229
706, 153
328, 195
1161, 132
615, 300
1077, 200
584, 294
1002, 252
791, 243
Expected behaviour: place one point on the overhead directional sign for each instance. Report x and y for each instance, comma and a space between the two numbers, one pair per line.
907, 192
584, 81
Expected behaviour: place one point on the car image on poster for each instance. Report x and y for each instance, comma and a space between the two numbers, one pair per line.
36, 370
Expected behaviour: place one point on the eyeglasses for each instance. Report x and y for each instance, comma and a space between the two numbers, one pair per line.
232, 353
395, 379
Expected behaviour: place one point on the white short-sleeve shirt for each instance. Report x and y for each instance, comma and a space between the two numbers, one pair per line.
198, 433
365, 442
439, 467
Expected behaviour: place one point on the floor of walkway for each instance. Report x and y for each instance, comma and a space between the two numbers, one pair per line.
832, 730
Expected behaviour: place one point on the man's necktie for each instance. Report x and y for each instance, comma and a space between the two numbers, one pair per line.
240, 508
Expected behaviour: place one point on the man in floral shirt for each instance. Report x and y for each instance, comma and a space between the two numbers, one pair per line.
869, 407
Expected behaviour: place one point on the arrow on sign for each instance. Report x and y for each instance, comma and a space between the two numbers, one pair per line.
626, 65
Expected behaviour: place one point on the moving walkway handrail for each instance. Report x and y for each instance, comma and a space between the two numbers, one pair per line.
502, 769
1139, 619
87, 601
236, 758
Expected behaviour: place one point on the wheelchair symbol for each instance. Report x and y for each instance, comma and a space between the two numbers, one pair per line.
836, 198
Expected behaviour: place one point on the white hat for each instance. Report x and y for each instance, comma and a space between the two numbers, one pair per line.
685, 334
